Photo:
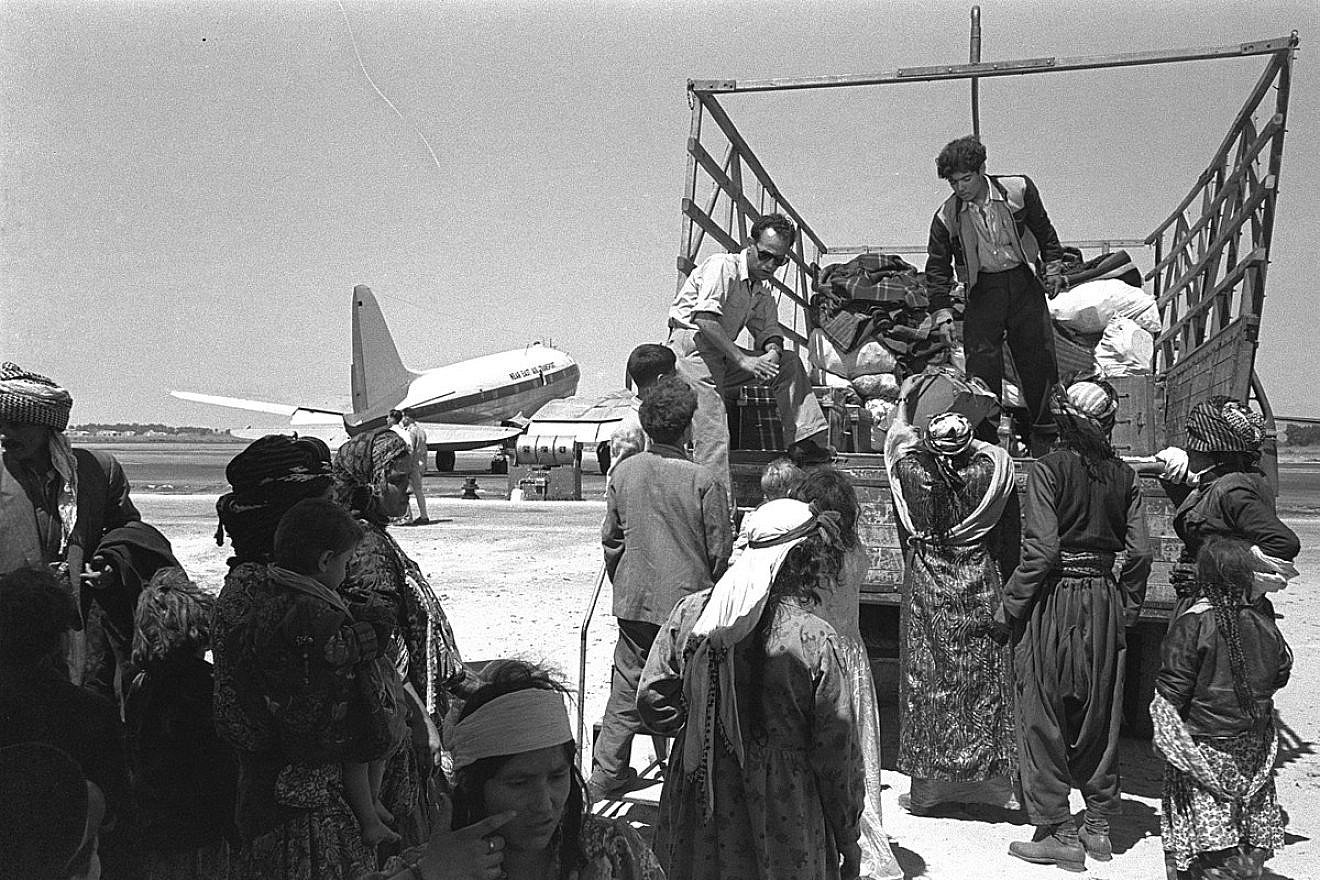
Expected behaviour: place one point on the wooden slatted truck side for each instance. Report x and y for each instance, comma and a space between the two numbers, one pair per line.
1209, 262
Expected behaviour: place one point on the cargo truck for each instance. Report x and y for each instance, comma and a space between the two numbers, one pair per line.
1207, 269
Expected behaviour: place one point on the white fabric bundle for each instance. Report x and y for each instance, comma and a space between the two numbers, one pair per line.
1089, 307
868, 358
883, 386
1126, 349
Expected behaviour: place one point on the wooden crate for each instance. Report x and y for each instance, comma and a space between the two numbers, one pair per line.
1139, 425
757, 425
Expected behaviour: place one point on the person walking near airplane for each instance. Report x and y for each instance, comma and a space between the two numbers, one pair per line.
994, 230
403, 424
725, 294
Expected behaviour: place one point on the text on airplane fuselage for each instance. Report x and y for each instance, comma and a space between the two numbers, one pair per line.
531, 371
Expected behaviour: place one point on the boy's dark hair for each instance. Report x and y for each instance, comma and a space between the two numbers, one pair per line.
779, 223
35, 612
396, 415
310, 528
960, 156
667, 410
649, 362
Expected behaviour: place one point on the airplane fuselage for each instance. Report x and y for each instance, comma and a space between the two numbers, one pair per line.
483, 390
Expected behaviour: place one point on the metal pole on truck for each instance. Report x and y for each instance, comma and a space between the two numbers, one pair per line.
975, 58
582, 667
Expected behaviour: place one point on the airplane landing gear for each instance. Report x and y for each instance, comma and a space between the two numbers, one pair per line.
444, 461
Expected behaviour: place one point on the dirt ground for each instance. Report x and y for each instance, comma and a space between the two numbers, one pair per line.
516, 581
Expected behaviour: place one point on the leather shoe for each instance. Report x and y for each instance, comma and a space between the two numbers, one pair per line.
808, 452
1096, 844
1052, 845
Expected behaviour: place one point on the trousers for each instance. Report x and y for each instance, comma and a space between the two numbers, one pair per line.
1070, 661
415, 484
612, 754
1011, 305
714, 378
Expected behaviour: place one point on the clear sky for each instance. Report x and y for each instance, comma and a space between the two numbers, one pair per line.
191, 190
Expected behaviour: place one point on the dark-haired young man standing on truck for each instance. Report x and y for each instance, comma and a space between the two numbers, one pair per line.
996, 233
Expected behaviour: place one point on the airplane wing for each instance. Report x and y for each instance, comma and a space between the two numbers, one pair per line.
333, 435
456, 438
297, 415
589, 420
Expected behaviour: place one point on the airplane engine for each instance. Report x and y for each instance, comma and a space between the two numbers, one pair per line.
546, 450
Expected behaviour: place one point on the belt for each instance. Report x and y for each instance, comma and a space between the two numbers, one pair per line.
1085, 563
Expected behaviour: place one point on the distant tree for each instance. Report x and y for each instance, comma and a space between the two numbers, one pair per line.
1302, 435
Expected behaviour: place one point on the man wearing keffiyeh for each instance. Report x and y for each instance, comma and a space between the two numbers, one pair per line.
58, 503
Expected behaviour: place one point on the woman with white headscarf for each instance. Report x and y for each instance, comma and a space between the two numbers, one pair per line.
1069, 616
958, 516
518, 793
765, 778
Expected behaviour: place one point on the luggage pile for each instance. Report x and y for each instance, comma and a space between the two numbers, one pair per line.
871, 328
1105, 309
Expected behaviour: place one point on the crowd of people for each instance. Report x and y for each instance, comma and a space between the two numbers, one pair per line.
335, 732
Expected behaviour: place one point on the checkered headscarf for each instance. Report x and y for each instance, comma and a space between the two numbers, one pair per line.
32, 399
1221, 424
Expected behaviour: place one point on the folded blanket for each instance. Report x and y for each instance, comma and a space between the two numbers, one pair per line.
1112, 265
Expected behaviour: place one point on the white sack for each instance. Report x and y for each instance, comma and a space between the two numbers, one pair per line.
879, 385
1125, 349
882, 417
1089, 307
870, 357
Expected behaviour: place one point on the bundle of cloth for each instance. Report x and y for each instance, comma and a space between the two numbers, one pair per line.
872, 327
1105, 310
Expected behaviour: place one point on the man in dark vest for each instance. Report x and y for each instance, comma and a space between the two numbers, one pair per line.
995, 231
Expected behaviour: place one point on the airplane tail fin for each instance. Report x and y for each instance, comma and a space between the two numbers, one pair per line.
378, 371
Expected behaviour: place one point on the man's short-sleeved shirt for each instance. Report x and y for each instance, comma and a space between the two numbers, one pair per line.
417, 440
721, 285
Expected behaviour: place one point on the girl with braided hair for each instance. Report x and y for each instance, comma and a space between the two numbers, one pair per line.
765, 777
826, 488
1221, 662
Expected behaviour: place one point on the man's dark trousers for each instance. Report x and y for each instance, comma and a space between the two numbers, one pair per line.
1011, 304
611, 756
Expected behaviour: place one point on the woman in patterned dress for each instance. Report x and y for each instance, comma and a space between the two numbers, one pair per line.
371, 474
765, 778
826, 488
293, 821
958, 512
1222, 660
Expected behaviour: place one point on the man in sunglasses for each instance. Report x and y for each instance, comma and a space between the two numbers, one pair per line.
995, 232
724, 295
